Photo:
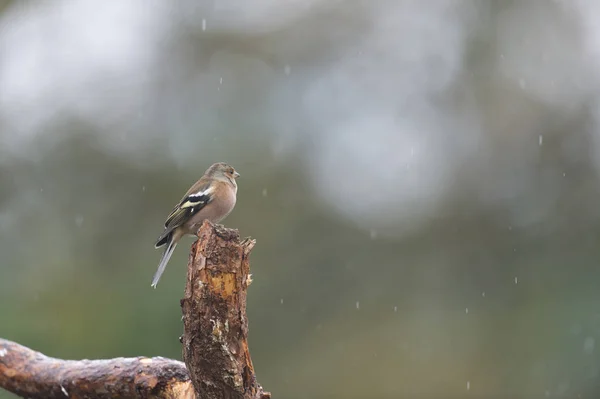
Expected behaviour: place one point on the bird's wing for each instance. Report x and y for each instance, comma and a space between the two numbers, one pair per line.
190, 204
196, 198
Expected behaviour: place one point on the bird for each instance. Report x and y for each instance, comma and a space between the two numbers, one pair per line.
212, 198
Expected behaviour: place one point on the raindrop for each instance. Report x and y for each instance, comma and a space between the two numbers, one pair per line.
563, 387
41, 189
357, 305
540, 140
281, 301
221, 81
287, 70
522, 83
516, 280
373, 234
468, 385
144, 188
588, 345
466, 310
203, 24
483, 294
264, 192
79, 220
395, 308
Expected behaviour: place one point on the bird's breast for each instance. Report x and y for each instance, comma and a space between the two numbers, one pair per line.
223, 207
215, 211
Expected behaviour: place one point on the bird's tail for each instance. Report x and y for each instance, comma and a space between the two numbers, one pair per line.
171, 244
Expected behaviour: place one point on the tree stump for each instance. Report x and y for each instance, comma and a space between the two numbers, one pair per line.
215, 338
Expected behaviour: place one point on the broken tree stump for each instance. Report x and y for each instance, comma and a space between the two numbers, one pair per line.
215, 337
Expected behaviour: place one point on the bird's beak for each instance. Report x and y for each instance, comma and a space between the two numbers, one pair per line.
236, 175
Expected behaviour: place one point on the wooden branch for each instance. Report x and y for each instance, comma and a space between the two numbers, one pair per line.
215, 338
215, 342
30, 374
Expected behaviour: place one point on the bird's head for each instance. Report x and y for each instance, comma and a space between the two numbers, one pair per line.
222, 171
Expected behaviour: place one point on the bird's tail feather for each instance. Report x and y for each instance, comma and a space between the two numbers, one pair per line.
172, 243
163, 239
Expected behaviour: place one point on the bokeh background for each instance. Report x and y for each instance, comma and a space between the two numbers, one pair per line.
422, 178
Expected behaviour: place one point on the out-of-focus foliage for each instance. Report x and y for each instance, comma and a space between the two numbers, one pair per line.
421, 177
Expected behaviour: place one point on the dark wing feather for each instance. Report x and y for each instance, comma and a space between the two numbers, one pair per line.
187, 208
189, 205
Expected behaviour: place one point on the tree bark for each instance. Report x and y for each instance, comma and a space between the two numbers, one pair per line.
215, 342
215, 338
30, 374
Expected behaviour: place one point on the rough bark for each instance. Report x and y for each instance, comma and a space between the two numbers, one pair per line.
215, 338
30, 374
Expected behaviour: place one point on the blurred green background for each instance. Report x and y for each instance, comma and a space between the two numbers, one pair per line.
422, 179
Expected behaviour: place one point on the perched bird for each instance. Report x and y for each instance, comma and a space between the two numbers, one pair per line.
210, 198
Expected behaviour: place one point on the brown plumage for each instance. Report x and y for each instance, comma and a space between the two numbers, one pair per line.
210, 198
